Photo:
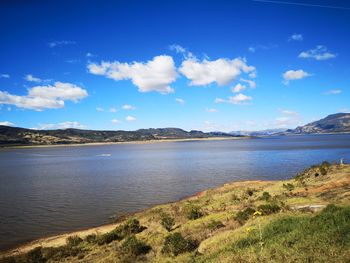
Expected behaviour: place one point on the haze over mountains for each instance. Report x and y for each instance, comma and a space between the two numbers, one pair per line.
335, 123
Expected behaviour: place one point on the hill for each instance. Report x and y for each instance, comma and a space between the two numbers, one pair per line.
304, 219
20, 136
335, 123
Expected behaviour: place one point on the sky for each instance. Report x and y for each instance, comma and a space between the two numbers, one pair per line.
203, 65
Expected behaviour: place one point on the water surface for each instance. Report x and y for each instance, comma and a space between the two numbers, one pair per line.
46, 191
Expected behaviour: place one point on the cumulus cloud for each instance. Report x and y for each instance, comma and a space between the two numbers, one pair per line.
333, 92
128, 107
45, 97
61, 125
31, 78
296, 37
221, 71
318, 53
238, 88
239, 99
154, 75
180, 101
4, 76
115, 121
7, 123
130, 118
61, 43
251, 83
294, 75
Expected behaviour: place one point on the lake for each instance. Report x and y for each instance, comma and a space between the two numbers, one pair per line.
46, 191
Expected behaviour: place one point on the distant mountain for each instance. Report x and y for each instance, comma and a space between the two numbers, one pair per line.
335, 123
21, 136
258, 133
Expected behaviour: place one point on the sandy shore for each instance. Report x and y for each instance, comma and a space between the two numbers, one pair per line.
130, 142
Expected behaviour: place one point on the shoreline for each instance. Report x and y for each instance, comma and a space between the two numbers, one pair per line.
60, 239
128, 142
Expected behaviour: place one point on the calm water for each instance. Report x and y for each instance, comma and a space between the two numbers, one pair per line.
45, 191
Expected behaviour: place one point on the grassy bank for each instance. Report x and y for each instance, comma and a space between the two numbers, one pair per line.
305, 219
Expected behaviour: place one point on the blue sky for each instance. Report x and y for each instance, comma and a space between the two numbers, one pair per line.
207, 65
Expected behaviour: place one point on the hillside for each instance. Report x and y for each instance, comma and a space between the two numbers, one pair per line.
304, 219
335, 123
20, 136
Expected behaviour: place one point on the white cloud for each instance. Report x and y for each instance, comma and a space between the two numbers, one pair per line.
115, 121
294, 75
61, 125
99, 109
154, 75
6, 123
318, 53
333, 92
252, 75
180, 101
239, 99
253, 49
238, 88
31, 78
296, 37
344, 110
130, 118
4, 76
221, 71
181, 50
45, 97
128, 107
112, 109
90, 55
251, 83
288, 112
211, 110
61, 43
287, 119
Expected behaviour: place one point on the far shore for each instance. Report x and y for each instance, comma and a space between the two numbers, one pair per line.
128, 142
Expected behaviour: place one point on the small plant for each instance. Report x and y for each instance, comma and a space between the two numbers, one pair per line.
134, 247
73, 241
167, 221
290, 187
35, 256
250, 192
192, 211
235, 198
92, 238
176, 244
244, 215
266, 196
268, 209
214, 224
323, 171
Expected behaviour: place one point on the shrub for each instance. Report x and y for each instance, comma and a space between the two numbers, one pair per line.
250, 192
134, 247
266, 196
92, 238
192, 211
234, 197
176, 244
167, 221
8, 260
214, 224
323, 171
268, 209
73, 241
244, 215
35, 256
290, 187
109, 237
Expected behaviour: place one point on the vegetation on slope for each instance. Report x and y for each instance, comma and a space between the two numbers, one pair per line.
305, 219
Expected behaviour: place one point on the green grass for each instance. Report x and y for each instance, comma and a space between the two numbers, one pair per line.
321, 238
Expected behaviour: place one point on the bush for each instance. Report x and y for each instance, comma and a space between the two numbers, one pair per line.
167, 221
250, 192
290, 187
176, 244
92, 238
268, 209
73, 241
266, 196
323, 171
243, 216
8, 260
192, 211
214, 224
35, 256
134, 247
132, 226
